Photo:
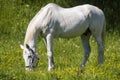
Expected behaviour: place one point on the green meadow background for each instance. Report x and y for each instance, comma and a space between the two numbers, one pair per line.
68, 54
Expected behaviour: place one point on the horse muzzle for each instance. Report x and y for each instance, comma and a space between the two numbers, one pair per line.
29, 68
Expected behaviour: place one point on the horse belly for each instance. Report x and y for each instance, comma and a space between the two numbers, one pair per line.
72, 31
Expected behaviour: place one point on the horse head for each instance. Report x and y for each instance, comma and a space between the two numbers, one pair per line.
30, 57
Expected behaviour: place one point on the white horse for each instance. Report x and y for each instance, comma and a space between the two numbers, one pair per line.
53, 21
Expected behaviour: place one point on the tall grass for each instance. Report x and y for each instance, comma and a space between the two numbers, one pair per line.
68, 54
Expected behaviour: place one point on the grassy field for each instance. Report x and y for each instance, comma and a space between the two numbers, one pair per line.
68, 54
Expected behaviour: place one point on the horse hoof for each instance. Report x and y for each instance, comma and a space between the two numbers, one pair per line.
50, 68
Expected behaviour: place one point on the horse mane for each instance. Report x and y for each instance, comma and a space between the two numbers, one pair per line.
41, 20
48, 13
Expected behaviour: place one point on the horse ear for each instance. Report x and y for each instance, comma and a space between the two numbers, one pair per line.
22, 47
27, 46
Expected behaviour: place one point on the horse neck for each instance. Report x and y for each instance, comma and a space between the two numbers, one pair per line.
31, 37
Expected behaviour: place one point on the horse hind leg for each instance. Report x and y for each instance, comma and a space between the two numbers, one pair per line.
100, 42
100, 50
86, 46
97, 28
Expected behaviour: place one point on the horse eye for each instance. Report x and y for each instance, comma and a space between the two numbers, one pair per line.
29, 56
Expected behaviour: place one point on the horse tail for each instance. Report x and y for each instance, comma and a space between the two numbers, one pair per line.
104, 32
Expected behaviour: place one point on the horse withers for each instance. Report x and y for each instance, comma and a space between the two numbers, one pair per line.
53, 21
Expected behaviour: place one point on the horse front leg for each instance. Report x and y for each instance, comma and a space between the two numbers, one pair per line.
49, 44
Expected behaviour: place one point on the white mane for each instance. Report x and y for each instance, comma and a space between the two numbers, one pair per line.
40, 20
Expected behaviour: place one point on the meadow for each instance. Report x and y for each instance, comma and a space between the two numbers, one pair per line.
68, 53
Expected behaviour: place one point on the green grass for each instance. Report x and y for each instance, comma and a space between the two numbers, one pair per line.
67, 54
